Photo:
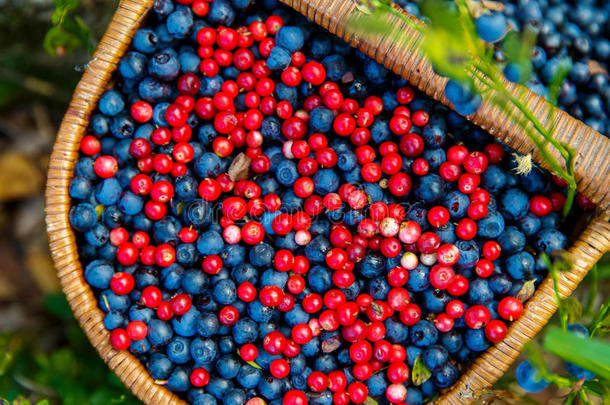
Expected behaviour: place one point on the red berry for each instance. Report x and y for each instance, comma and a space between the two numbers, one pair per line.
540, 206
441, 276
279, 368
90, 145
200, 377
119, 339
495, 331
510, 308
484, 268
477, 316
136, 330
248, 352
105, 166
294, 397
151, 296
180, 304
491, 250
455, 308
410, 315
122, 283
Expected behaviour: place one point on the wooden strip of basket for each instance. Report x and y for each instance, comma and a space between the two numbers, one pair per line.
592, 243
592, 163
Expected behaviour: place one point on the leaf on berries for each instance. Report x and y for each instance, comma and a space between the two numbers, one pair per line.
331, 344
572, 308
595, 67
240, 167
527, 290
370, 401
377, 308
420, 373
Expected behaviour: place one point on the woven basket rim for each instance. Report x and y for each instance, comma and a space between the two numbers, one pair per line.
487, 368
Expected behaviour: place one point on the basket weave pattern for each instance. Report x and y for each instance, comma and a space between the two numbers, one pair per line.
593, 171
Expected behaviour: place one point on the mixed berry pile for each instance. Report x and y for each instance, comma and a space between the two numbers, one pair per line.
266, 213
572, 34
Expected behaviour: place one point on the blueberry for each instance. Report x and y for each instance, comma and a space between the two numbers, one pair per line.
456, 203
249, 376
159, 366
321, 119
493, 179
180, 22
234, 397
491, 226
210, 243
434, 357
225, 292
429, 188
286, 173
203, 351
423, 334
479, 292
446, 376
529, 378
418, 278
414, 396
159, 332
279, 58
290, 38
452, 341
178, 350
98, 274
375, 72
259, 312
500, 284
320, 46
186, 325
396, 331
469, 253
475, 340
270, 387
221, 13
491, 27
512, 241
380, 131
316, 250
377, 384
245, 331
335, 67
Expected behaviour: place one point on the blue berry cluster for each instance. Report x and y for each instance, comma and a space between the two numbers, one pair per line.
571, 34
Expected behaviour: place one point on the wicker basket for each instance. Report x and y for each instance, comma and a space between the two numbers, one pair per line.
593, 177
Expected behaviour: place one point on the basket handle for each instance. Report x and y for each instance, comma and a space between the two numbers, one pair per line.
592, 163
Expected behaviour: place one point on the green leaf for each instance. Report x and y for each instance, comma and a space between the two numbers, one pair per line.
596, 387
590, 354
565, 66
572, 308
370, 401
601, 319
518, 49
536, 358
43, 402
420, 373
